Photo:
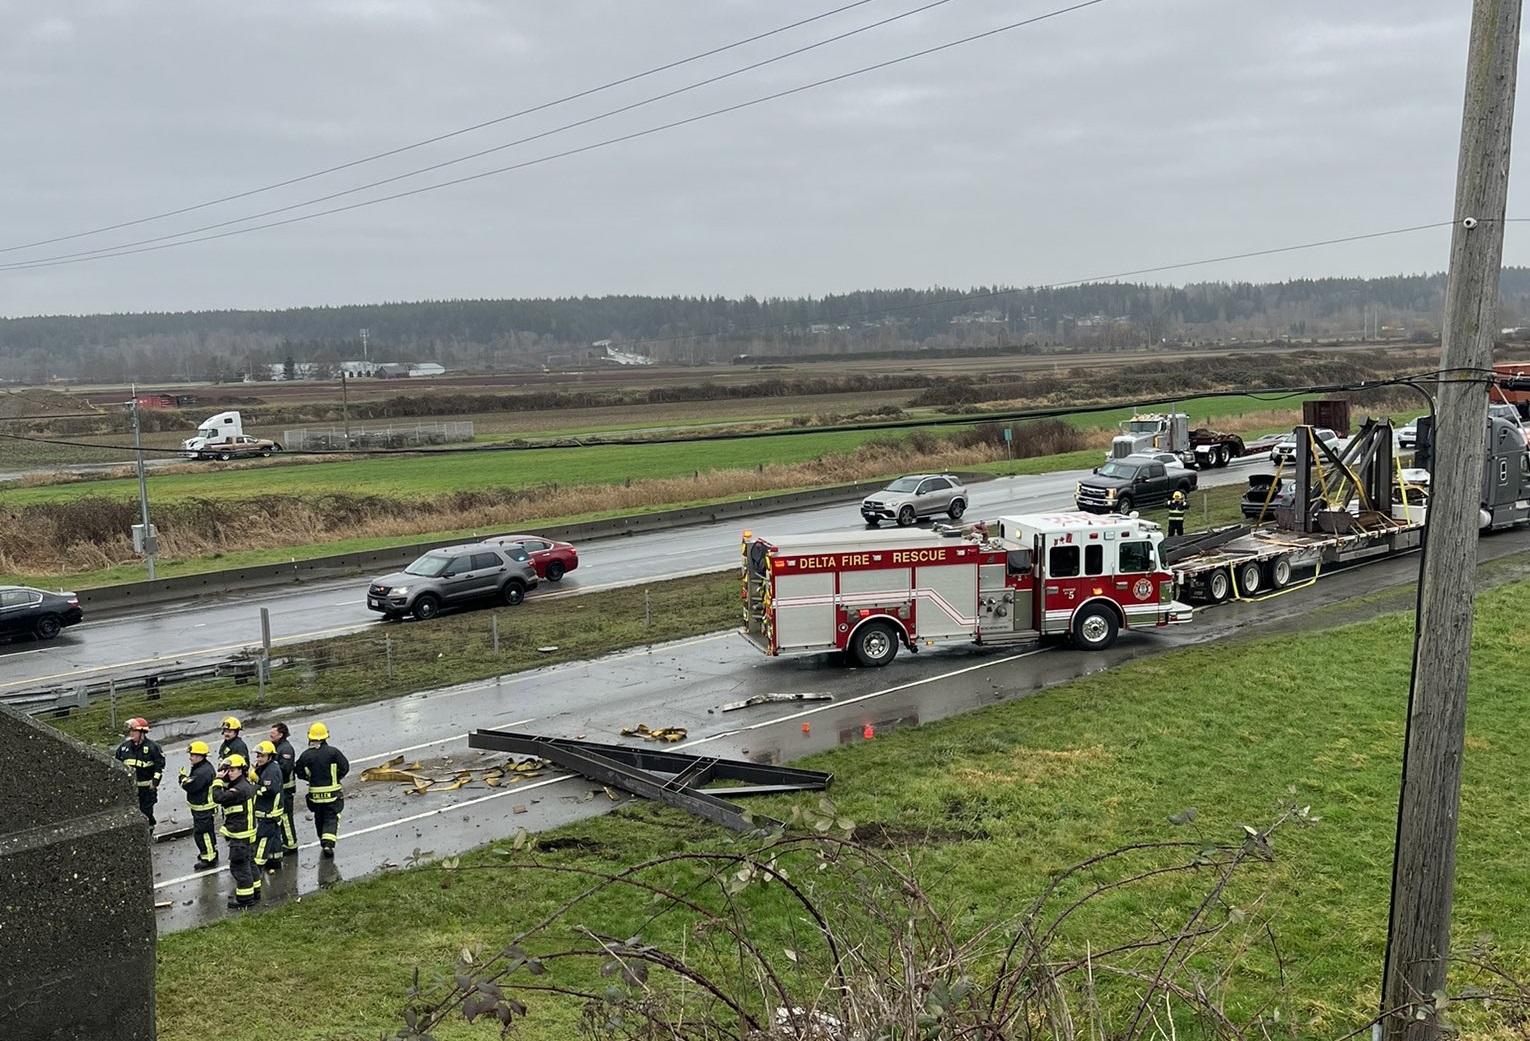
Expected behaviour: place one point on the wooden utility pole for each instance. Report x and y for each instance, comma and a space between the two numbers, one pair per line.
1423, 871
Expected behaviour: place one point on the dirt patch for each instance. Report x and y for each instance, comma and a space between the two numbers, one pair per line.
890, 836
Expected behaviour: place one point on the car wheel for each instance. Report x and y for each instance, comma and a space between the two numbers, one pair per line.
1124, 505
1280, 573
426, 606
265, 453
48, 626
554, 570
225, 456
958, 507
874, 644
906, 516
1218, 586
1095, 628
513, 593
1249, 578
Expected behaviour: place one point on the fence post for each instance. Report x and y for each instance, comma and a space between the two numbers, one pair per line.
263, 667
388, 648
647, 610
494, 625
111, 693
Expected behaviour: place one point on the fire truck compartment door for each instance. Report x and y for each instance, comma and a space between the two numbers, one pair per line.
805, 611
946, 599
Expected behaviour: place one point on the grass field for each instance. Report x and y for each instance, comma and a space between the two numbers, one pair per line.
991, 806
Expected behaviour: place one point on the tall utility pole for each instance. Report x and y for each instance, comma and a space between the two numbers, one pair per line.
143, 489
1424, 865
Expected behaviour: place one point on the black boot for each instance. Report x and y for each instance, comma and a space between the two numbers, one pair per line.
204, 865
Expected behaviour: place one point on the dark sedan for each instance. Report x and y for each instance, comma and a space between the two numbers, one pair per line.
25, 611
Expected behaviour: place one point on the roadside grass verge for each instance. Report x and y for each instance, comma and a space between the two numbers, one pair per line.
987, 808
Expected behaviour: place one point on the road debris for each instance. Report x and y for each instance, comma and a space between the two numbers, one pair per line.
511, 771
656, 734
772, 699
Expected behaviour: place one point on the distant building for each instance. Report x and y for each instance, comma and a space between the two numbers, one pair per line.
621, 357
394, 370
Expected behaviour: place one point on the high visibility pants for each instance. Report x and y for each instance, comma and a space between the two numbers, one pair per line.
268, 842
147, 797
246, 881
326, 820
202, 835
289, 820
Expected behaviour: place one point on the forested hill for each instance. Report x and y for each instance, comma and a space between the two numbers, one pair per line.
516, 333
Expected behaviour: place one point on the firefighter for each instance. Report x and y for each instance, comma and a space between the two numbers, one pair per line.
233, 791
232, 744
322, 767
267, 778
286, 758
146, 761
1177, 508
197, 783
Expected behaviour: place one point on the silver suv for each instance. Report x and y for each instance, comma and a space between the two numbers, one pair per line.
918, 495
453, 576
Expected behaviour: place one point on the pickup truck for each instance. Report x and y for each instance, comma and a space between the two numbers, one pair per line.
1122, 485
241, 446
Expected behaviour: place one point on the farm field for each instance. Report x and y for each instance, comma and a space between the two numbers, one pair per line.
983, 811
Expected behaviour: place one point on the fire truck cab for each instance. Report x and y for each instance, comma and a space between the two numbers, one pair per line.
1012, 580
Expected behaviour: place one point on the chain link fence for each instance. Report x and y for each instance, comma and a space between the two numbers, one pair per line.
394, 435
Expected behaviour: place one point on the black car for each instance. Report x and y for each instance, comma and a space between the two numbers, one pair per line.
25, 611
1265, 493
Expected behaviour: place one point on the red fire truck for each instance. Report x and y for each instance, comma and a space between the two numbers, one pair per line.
1013, 580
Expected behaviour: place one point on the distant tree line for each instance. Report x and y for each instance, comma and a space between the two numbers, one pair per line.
508, 335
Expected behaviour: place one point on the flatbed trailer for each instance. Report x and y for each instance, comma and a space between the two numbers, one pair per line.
1266, 559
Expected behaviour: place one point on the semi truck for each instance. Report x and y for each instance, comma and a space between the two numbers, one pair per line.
1012, 580
1339, 508
1200, 447
222, 437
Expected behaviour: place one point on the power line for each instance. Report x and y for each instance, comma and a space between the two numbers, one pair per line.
440, 137
145, 246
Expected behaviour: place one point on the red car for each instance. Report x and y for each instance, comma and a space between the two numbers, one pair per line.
552, 559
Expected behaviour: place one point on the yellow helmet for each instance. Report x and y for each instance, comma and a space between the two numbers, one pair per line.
265, 748
197, 748
235, 760
1179, 496
318, 732
230, 723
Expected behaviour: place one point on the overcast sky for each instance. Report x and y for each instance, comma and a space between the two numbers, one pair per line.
1123, 135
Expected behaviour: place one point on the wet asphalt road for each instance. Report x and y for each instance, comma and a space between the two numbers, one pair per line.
682, 684
210, 629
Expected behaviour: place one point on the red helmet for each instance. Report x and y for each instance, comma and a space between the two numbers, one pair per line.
138, 723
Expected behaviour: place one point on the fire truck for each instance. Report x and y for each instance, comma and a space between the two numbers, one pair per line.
1012, 580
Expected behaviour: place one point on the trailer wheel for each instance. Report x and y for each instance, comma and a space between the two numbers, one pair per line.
1280, 573
1095, 628
874, 644
1249, 578
1224, 455
906, 516
1218, 586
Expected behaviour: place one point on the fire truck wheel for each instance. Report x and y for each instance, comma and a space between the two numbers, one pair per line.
906, 516
1218, 586
1249, 579
513, 592
426, 606
1280, 573
874, 644
958, 507
1095, 628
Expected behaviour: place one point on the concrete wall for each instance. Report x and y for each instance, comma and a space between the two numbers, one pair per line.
107, 600
76, 892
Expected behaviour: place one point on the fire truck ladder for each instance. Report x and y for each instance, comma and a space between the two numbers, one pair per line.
673, 778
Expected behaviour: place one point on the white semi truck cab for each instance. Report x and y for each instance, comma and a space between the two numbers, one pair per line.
217, 430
